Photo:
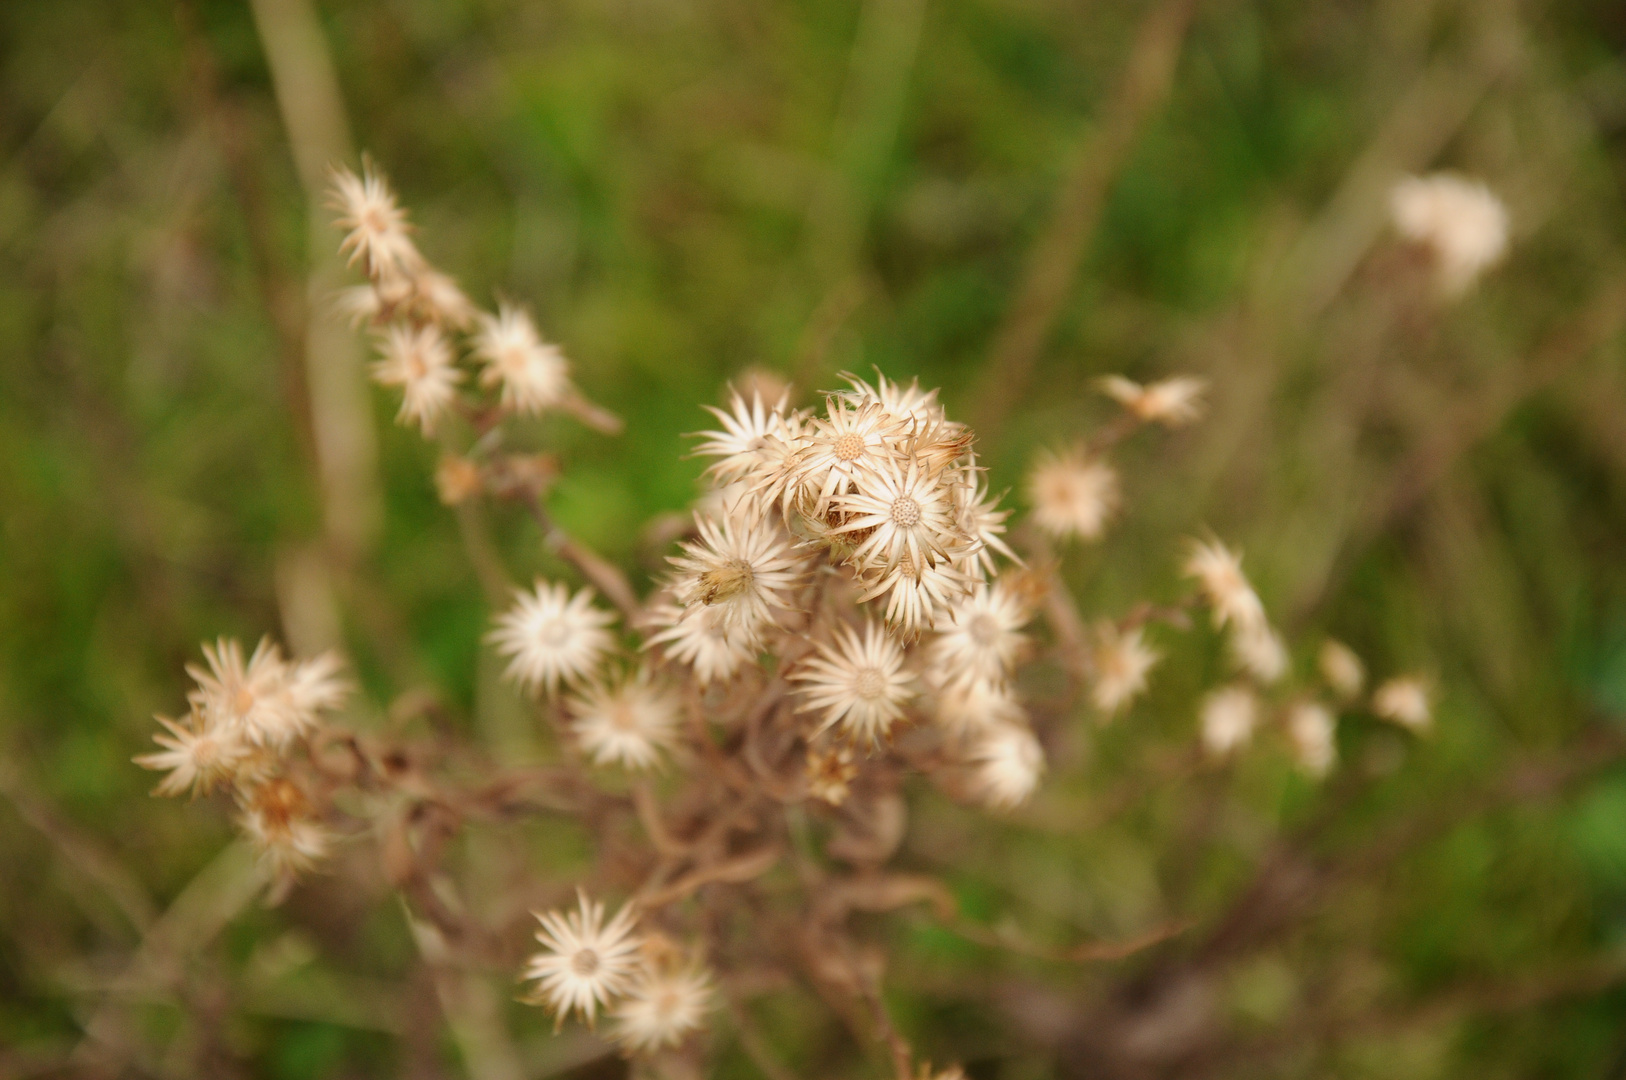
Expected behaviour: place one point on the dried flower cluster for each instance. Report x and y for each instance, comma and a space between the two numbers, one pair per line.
848, 607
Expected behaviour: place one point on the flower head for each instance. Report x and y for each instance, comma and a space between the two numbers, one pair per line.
533, 374
982, 637
849, 438
551, 637
1461, 223
1218, 571
1404, 700
1120, 663
1008, 762
984, 523
264, 700
1312, 731
197, 755
280, 820
1259, 650
967, 709
908, 402
1227, 717
662, 1008
742, 567
702, 638
627, 723
1073, 494
897, 510
418, 360
378, 233
1172, 402
1343, 670
584, 963
916, 601
859, 683
830, 773
747, 429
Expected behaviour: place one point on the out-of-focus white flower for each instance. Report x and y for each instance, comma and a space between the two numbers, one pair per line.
551, 637
662, 1008
1227, 717
378, 231
584, 963
1073, 494
982, 637
1259, 651
858, 683
984, 523
1404, 700
1218, 571
746, 431
701, 638
627, 723
197, 755
265, 700
1343, 670
742, 567
418, 360
279, 819
1173, 402
965, 710
532, 373
1120, 663
1312, 729
830, 773
1460, 221
916, 600
1008, 761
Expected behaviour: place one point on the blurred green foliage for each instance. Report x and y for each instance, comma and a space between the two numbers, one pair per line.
654, 178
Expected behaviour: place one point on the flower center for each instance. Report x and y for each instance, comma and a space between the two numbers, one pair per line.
983, 630
870, 684
585, 963
416, 368
905, 512
850, 447
622, 718
553, 633
727, 581
243, 700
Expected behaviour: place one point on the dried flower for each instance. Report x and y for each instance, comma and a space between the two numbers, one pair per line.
849, 438
1312, 730
1218, 571
533, 374
830, 773
265, 700
702, 638
1172, 402
625, 723
585, 963
1073, 494
982, 637
742, 567
1404, 700
1008, 762
1227, 717
747, 428
418, 360
1259, 650
378, 231
1460, 221
967, 709
197, 755
457, 479
1342, 669
279, 819
662, 1008
551, 636
859, 683
1120, 663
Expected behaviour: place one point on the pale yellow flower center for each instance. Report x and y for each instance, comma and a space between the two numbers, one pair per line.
553, 633
850, 447
983, 629
622, 717
585, 963
416, 367
732, 579
243, 700
869, 684
905, 511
